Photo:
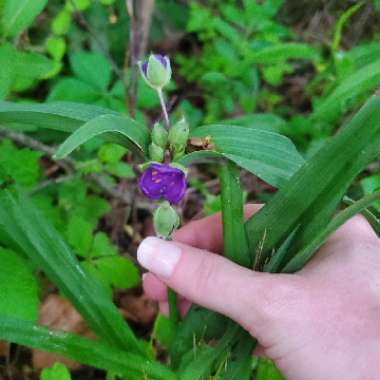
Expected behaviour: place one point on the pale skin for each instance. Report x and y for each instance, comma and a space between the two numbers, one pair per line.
320, 323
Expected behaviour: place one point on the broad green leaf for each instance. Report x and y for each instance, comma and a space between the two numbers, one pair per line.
61, 23
74, 90
17, 15
120, 129
111, 153
121, 169
311, 197
19, 70
79, 235
269, 155
371, 184
281, 52
21, 164
39, 241
92, 68
102, 246
56, 47
57, 372
18, 287
94, 353
118, 271
59, 116
355, 85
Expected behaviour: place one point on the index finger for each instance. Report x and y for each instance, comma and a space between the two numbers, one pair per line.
207, 233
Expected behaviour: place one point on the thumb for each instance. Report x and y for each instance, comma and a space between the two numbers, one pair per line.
214, 282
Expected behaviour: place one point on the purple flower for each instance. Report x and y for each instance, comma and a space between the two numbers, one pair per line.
163, 181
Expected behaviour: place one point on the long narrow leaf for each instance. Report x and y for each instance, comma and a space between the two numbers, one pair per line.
301, 258
42, 244
86, 351
59, 116
269, 155
313, 194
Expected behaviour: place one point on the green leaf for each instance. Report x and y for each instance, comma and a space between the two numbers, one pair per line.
56, 47
57, 372
281, 52
45, 247
18, 287
92, 68
371, 184
19, 70
311, 197
21, 164
267, 371
118, 271
17, 15
59, 116
302, 257
121, 129
94, 353
74, 90
163, 331
121, 169
61, 23
269, 155
111, 153
102, 246
79, 235
235, 240
355, 85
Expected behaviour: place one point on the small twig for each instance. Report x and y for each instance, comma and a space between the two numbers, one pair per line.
140, 16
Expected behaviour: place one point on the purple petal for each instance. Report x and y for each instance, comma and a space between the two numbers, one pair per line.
162, 59
144, 68
163, 181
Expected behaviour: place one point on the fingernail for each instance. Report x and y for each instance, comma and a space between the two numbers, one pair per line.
143, 276
158, 256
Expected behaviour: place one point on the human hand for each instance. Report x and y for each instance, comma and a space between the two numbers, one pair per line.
320, 323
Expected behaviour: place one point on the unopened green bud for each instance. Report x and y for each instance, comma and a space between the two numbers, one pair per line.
156, 153
159, 135
165, 220
156, 71
178, 136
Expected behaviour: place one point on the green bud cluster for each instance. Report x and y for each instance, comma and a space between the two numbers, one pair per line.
178, 136
159, 142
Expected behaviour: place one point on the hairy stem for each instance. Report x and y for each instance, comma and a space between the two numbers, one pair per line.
163, 107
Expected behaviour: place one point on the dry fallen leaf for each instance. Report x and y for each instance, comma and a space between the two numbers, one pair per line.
138, 308
58, 314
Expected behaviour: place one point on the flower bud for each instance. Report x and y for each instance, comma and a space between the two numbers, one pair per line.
165, 220
156, 153
178, 136
159, 135
156, 71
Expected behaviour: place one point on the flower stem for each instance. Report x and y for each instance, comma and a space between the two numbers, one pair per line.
173, 307
163, 107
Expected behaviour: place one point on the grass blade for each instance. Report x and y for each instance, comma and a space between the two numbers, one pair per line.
311, 197
86, 351
43, 245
